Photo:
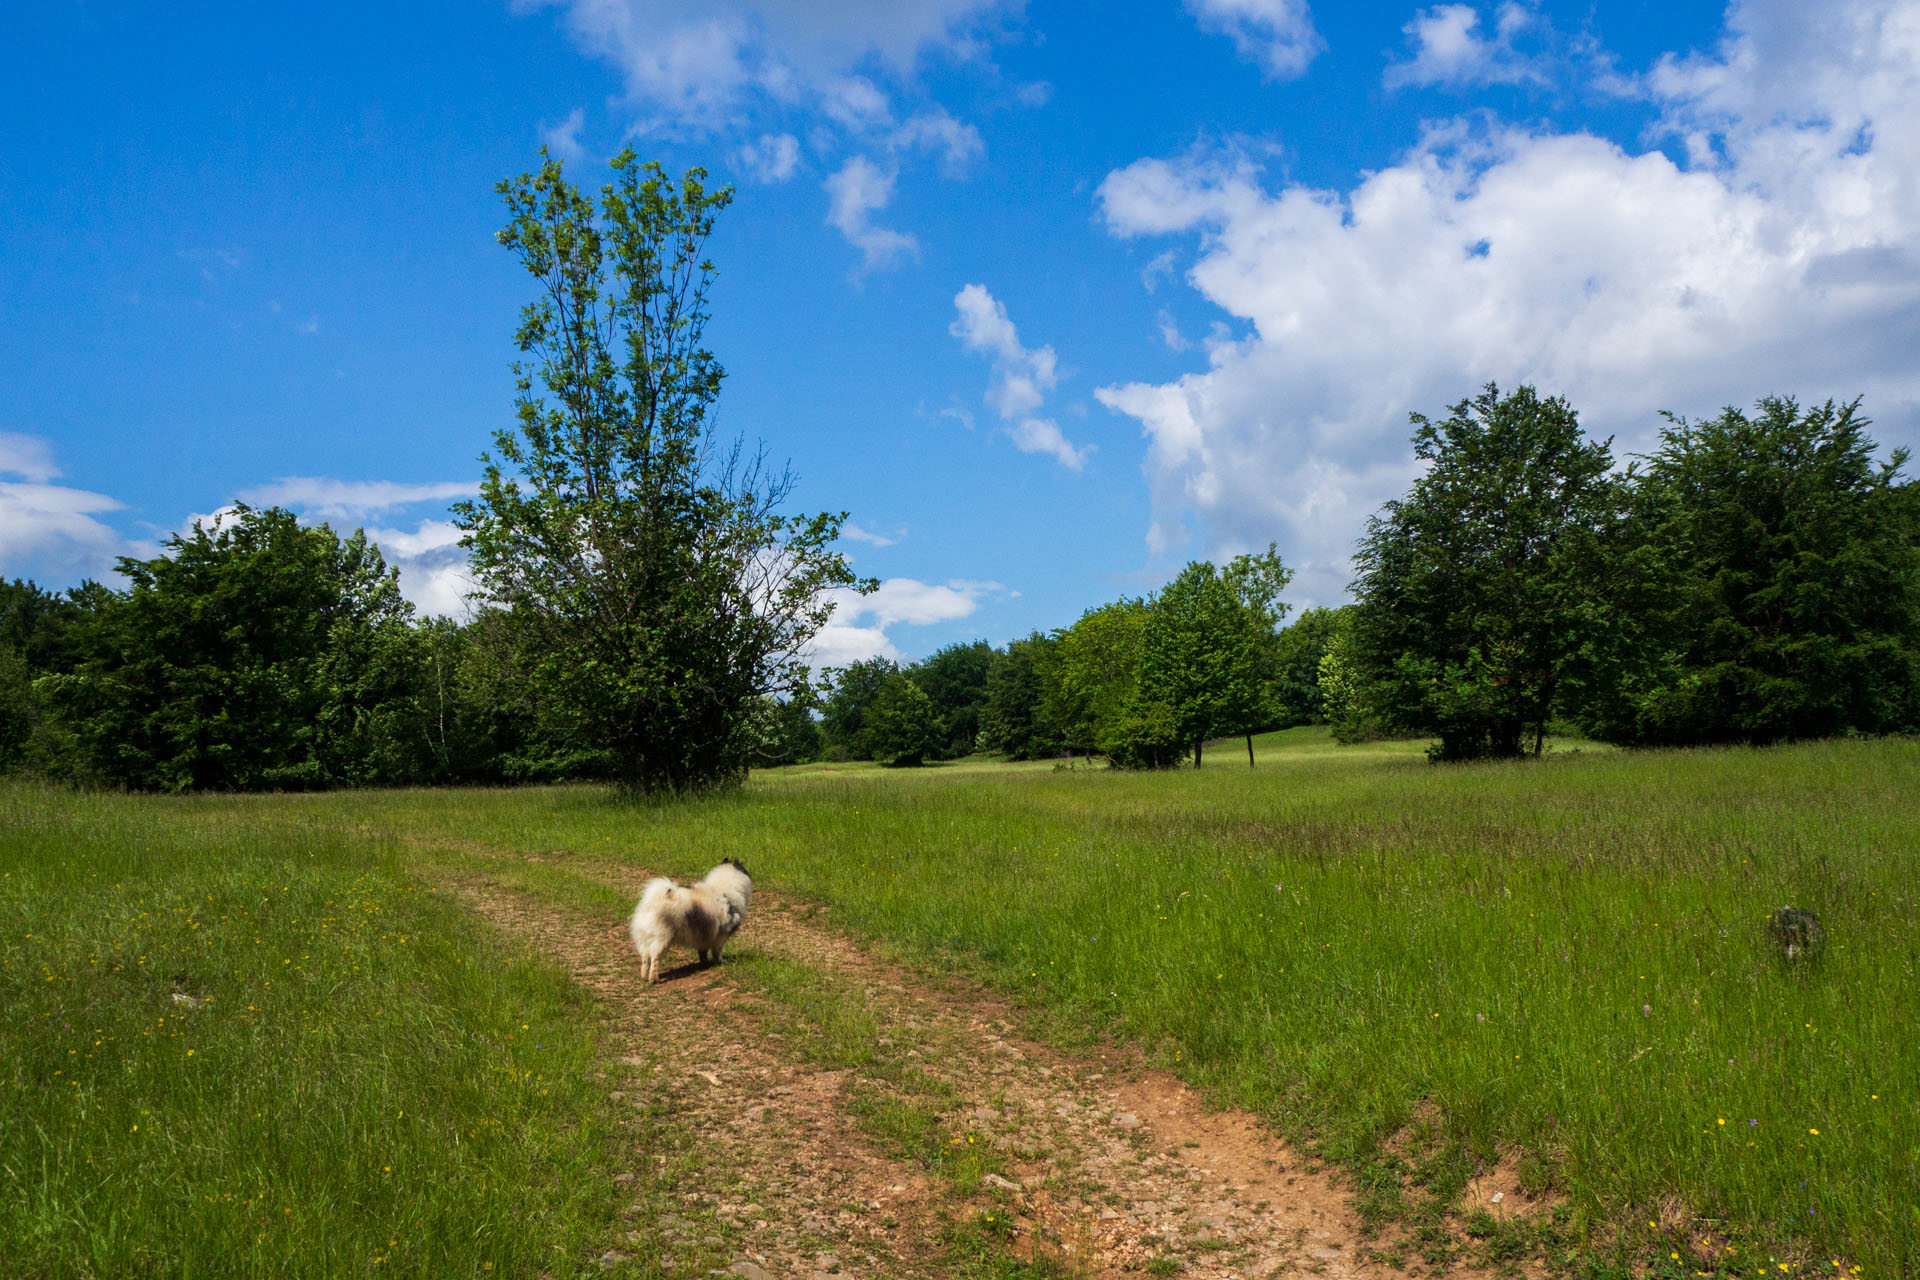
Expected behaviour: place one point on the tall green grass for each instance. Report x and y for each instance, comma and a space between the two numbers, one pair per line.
237, 1041
1566, 956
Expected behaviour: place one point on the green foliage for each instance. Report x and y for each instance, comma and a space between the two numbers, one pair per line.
903, 728
956, 679
1207, 648
38, 625
1784, 584
37, 646
1342, 699
1297, 652
19, 708
655, 592
849, 698
785, 732
1487, 585
255, 654
1015, 721
1088, 678
1144, 733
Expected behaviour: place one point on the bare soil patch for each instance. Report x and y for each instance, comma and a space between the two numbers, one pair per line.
792, 1189
1109, 1169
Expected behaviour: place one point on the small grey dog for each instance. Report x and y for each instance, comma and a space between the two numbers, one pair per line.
698, 916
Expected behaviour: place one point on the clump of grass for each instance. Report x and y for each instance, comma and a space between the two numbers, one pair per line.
231, 1041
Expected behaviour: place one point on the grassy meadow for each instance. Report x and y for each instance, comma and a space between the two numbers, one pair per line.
234, 1041
1562, 959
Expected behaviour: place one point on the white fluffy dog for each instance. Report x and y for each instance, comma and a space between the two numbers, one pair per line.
701, 916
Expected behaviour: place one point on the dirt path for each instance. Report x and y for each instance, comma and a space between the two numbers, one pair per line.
1095, 1163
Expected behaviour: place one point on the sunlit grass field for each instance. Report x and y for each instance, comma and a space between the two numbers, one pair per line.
1564, 957
234, 1041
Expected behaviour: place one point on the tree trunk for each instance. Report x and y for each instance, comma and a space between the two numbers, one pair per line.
1540, 724
1196, 753
1249, 751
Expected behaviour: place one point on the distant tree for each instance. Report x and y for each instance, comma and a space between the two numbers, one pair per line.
1297, 653
1014, 721
253, 654
35, 640
20, 708
903, 728
1257, 581
1207, 648
1088, 679
955, 678
1342, 697
509, 732
656, 592
1487, 585
38, 625
850, 692
1787, 567
786, 733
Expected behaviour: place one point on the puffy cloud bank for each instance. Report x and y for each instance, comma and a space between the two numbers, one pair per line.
858, 629
48, 531
1781, 255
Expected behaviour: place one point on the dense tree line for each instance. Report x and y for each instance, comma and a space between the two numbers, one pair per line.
260, 654
1756, 579
1141, 682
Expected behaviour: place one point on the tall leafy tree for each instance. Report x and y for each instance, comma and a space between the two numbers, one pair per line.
787, 732
1206, 651
1089, 677
1015, 720
903, 726
251, 654
1787, 585
1296, 666
656, 590
955, 678
1485, 588
849, 699
36, 640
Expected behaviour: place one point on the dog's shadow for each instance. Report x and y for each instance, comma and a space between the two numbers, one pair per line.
686, 969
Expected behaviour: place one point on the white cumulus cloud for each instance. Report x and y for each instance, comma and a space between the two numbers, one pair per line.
433, 566
48, 532
774, 158
1449, 49
1784, 257
329, 499
957, 144
562, 139
700, 61
1276, 34
858, 629
29, 457
857, 191
1022, 377
854, 533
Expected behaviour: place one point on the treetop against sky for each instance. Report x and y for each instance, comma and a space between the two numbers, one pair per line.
1051, 297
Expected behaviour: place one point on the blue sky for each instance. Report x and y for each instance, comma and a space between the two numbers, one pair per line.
1049, 297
